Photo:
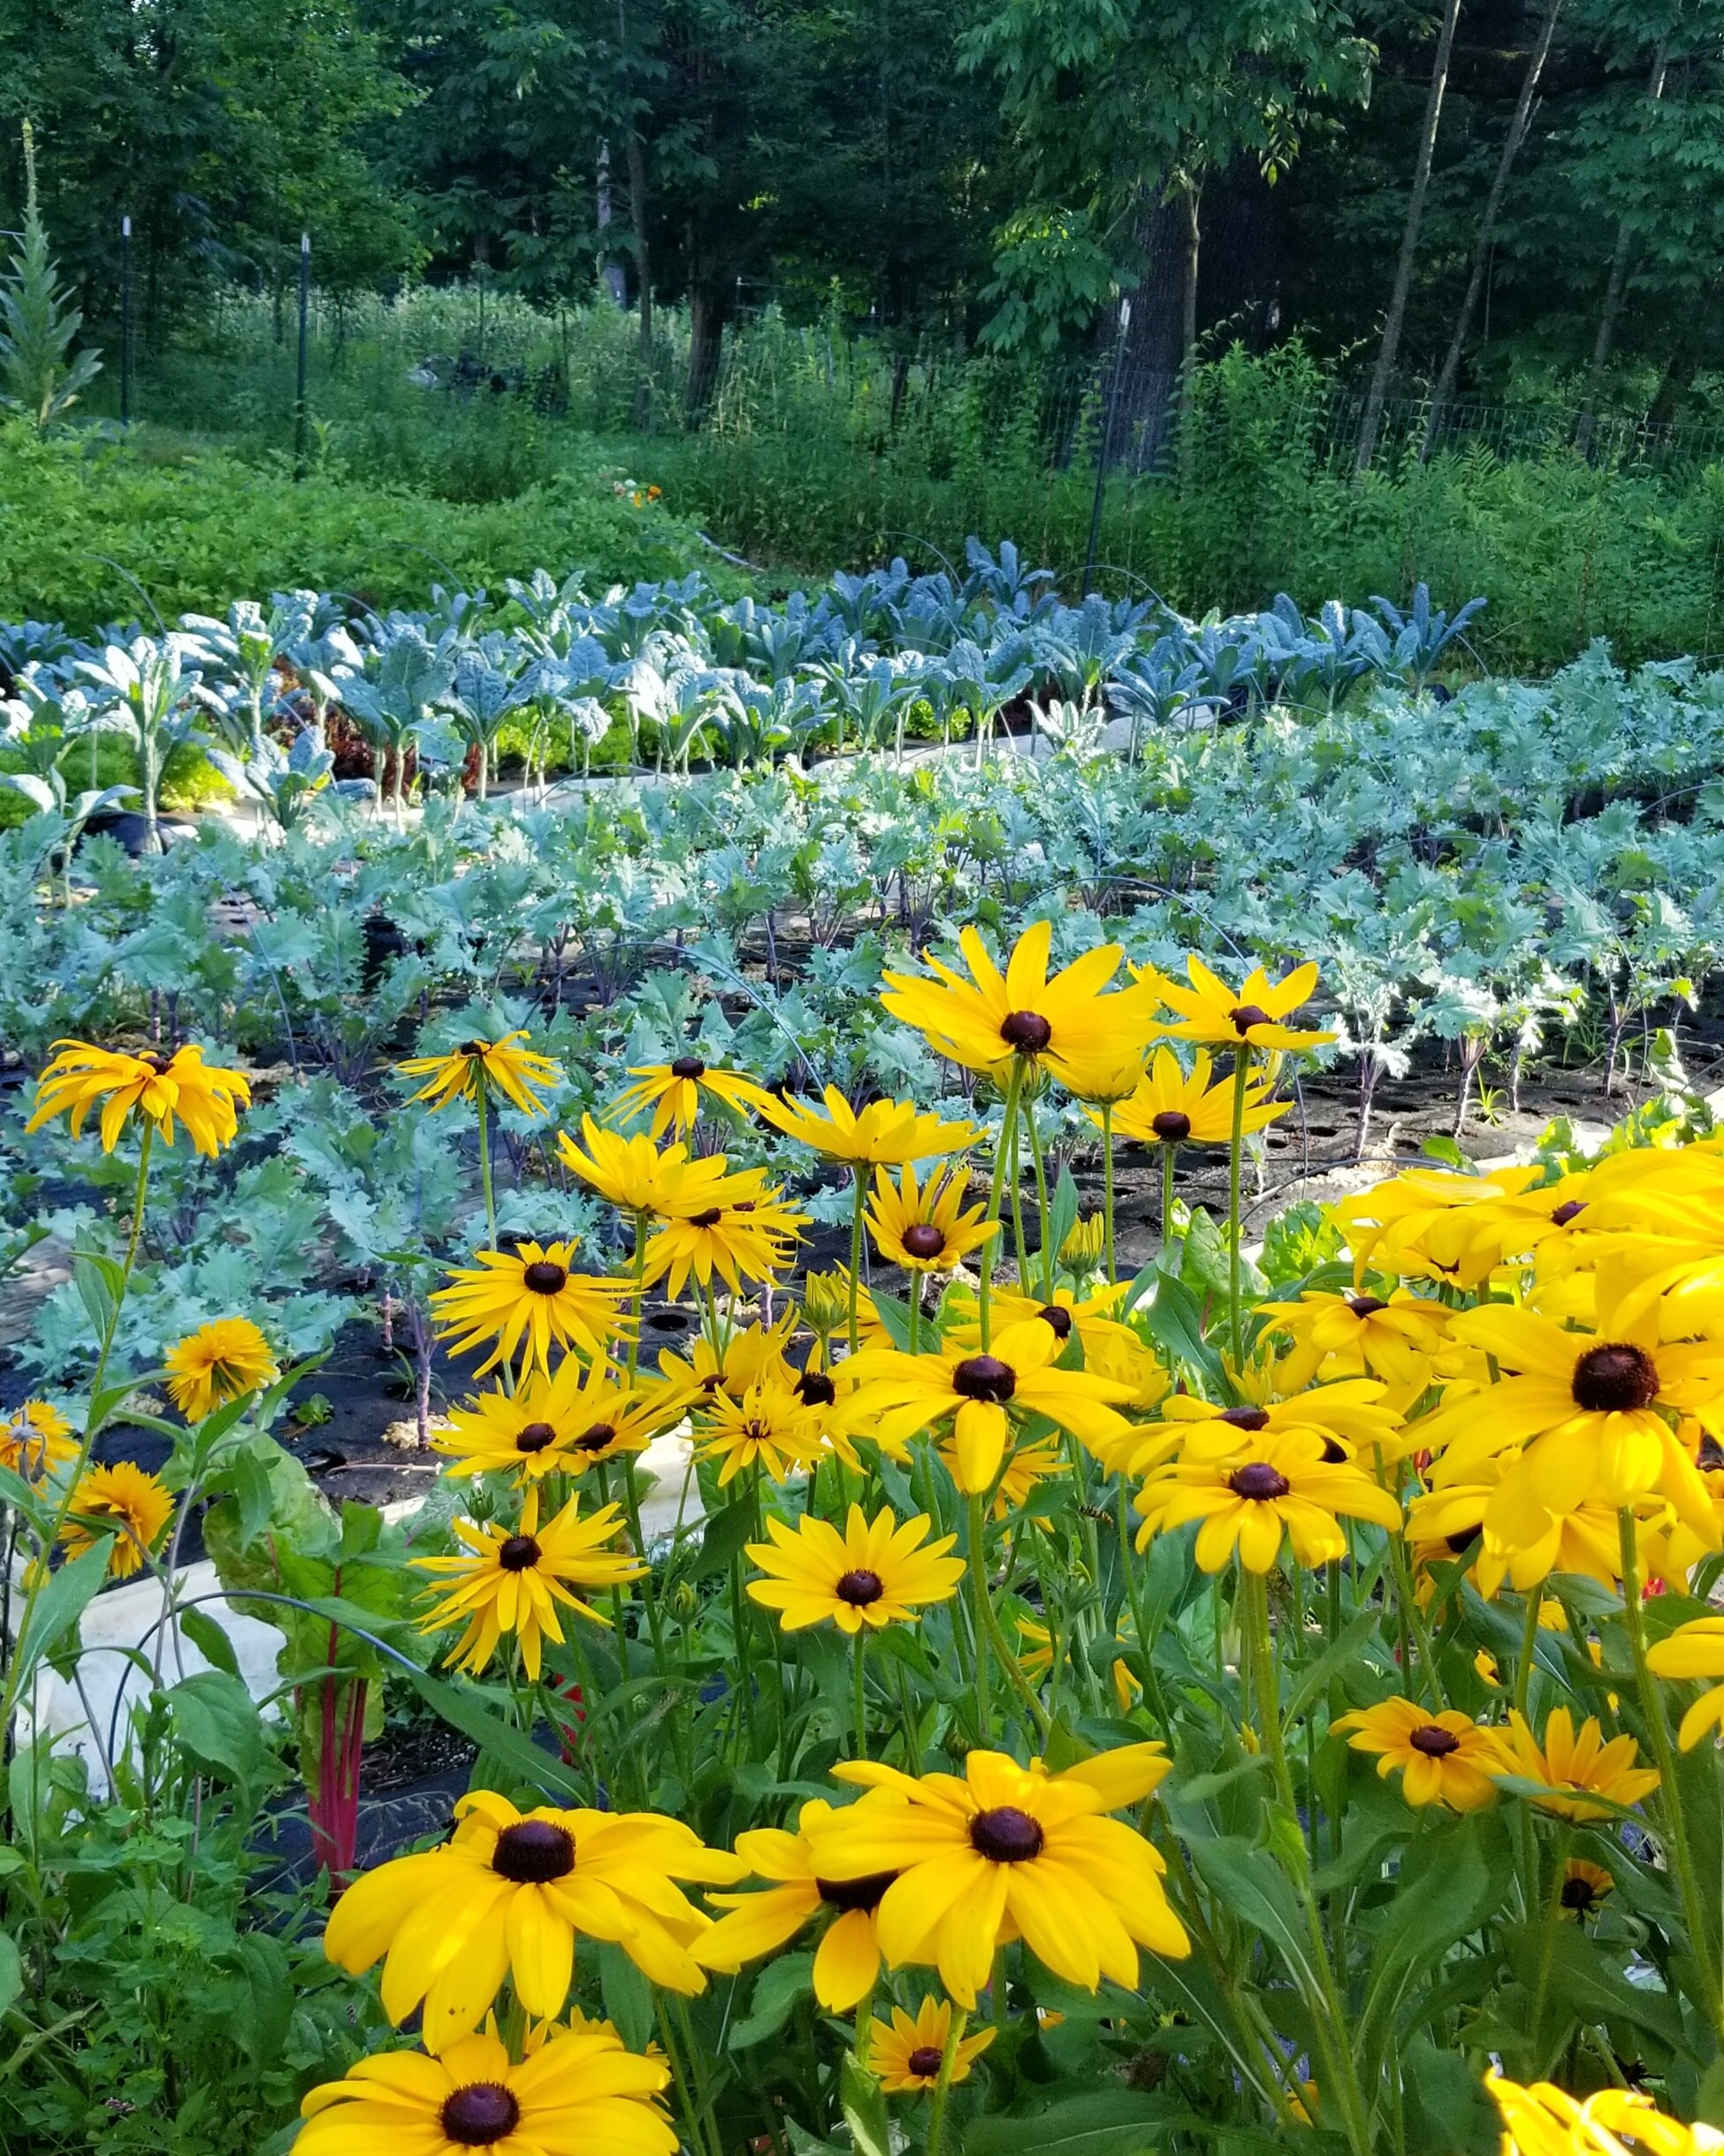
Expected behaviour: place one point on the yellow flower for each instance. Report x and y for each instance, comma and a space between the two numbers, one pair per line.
1247, 1501
215, 1363
1582, 1538
908, 2055
901, 1394
637, 1177
560, 1426
1067, 1026
512, 1582
1429, 1224
119, 1499
1018, 1322
527, 1297
1009, 1852
576, 2092
1589, 1408
847, 1960
1584, 1886
1026, 1466
1211, 1011
506, 1896
753, 1356
1360, 1336
749, 1241
163, 1089
1541, 2119
1169, 1108
1695, 1649
770, 1426
1441, 1758
1573, 1767
37, 1439
672, 1092
871, 1575
505, 1069
921, 1226
885, 1134
1347, 1417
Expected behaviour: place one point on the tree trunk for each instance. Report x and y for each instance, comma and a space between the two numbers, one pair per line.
616, 283
636, 161
1147, 357
1614, 286
709, 306
1487, 228
1390, 349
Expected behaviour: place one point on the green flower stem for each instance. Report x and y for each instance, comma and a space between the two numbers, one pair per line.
1236, 1145
1045, 1226
859, 1701
1547, 1931
980, 1613
862, 2040
1014, 1180
988, 1623
860, 1195
1329, 2012
985, 1257
1169, 1154
1529, 1655
1675, 1833
1107, 1186
942, 2088
482, 1102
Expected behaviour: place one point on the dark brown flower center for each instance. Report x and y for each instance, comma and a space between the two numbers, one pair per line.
1333, 1451
865, 1893
1364, 1306
1579, 1895
1258, 1481
1433, 1741
984, 1377
482, 2113
1463, 1540
688, 1066
535, 1436
711, 1217
533, 1852
1057, 1320
544, 1276
1006, 1835
475, 1048
926, 2061
597, 1438
1246, 1015
519, 1554
1026, 1031
1615, 1379
1711, 1454
860, 1587
814, 1389
1561, 1218
1245, 1418
158, 1062
923, 1239
1173, 1125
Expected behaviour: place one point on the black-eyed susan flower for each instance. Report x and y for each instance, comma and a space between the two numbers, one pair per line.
1169, 1107
121, 1505
1248, 1017
899, 1395
1348, 1416
637, 1177
1027, 1466
167, 1090
925, 1228
1441, 1758
771, 1427
1542, 2119
1279, 1486
218, 1363
1573, 1766
908, 2054
672, 1092
1067, 1025
505, 1069
877, 1572
1394, 1337
1004, 1852
515, 1579
1591, 1408
560, 1426
528, 1298
847, 1960
1430, 1224
884, 1134
743, 1242
505, 1899
1066, 1315
1694, 1650
1584, 1886
752, 1355
1583, 1538
576, 2092
35, 1439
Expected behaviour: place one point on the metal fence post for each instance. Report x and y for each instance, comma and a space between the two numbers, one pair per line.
305, 307
1106, 444
125, 321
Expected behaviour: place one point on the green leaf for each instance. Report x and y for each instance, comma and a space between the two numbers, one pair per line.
208, 1637
1255, 1889
542, 1771
864, 2102
217, 1723
726, 1532
61, 1604
100, 1283
777, 1989
12, 1971
1104, 2123
627, 1996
